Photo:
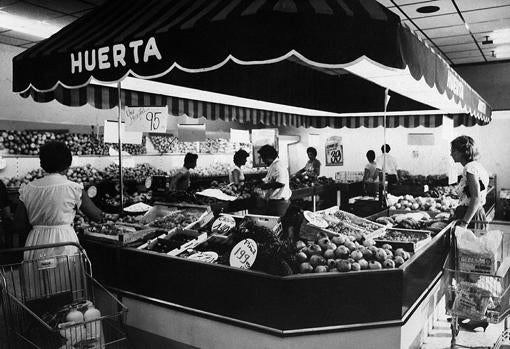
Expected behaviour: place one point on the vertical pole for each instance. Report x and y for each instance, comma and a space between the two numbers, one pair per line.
384, 191
119, 123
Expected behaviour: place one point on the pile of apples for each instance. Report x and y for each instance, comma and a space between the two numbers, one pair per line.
410, 203
80, 174
133, 149
217, 145
139, 173
171, 144
344, 253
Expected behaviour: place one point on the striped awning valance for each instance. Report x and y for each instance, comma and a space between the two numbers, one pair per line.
103, 97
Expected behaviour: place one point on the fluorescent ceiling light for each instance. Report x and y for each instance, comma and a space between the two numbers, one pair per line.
501, 36
27, 25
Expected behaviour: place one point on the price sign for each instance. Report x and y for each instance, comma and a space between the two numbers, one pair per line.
243, 254
334, 151
146, 119
223, 225
92, 191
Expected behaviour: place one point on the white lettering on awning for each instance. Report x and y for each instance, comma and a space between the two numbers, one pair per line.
455, 85
116, 55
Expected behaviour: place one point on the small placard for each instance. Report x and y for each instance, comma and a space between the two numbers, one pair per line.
334, 151
191, 132
111, 134
239, 136
92, 191
223, 225
243, 254
146, 119
49, 263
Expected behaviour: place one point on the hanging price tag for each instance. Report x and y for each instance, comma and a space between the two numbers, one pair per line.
243, 254
146, 119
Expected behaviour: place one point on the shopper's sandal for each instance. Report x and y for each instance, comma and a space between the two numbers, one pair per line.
471, 325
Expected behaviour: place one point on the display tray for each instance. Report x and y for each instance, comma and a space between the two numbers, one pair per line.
130, 234
419, 239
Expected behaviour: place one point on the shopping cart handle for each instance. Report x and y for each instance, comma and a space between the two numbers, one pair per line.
42, 247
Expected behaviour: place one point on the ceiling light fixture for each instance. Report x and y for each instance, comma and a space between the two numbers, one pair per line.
27, 25
487, 41
428, 9
501, 36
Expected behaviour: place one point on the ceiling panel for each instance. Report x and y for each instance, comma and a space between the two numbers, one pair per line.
24, 9
467, 60
459, 47
489, 25
468, 5
449, 31
438, 21
30, 44
452, 40
407, 2
68, 6
463, 54
22, 36
7, 40
492, 14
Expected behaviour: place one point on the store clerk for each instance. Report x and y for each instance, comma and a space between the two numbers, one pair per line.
276, 182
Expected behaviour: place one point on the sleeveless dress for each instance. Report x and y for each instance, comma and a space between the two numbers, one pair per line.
51, 203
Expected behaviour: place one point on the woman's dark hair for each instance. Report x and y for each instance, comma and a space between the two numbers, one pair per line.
466, 146
240, 156
371, 155
55, 157
190, 158
312, 150
268, 151
388, 148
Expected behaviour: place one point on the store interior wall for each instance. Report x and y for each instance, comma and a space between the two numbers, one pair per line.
19, 113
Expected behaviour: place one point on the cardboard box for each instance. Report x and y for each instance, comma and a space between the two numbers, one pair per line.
272, 223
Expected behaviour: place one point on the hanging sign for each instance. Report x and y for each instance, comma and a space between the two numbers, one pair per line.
191, 132
334, 151
243, 254
146, 119
239, 136
111, 134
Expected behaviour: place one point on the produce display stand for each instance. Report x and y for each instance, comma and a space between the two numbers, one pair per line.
267, 305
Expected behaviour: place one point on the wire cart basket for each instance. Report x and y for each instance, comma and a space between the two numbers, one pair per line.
48, 300
478, 286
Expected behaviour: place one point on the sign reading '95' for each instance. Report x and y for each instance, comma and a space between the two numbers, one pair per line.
146, 119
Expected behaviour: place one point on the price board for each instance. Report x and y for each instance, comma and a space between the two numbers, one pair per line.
146, 119
243, 254
334, 151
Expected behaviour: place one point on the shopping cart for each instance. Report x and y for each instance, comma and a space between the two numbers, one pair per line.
38, 294
480, 294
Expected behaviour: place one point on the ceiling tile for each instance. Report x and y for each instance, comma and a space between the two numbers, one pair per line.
8, 40
467, 5
407, 2
68, 6
489, 25
487, 15
468, 60
459, 47
30, 11
21, 36
441, 32
63, 21
438, 21
452, 40
445, 7
463, 54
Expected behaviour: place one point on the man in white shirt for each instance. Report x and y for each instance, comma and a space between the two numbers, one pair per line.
390, 164
276, 183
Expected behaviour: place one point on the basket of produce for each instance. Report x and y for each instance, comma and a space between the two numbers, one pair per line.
184, 216
409, 240
413, 220
119, 233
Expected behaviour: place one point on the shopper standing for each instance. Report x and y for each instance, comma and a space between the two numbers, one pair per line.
182, 179
46, 211
236, 175
371, 175
389, 163
472, 191
313, 166
472, 188
276, 183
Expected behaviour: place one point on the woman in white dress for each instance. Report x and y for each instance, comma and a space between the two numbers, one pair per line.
46, 210
236, 175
